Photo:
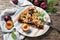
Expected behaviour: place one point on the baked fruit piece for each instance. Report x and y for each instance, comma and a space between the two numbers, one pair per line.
30, 16
9, 24
25, 27
26, 15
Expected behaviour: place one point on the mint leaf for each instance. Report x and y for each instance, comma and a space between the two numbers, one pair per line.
51, 10
31, 0
42, 19
13, 36
54, 10
49, 2
41, 14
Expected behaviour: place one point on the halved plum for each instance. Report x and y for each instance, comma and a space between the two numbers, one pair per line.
7, 17
15, 1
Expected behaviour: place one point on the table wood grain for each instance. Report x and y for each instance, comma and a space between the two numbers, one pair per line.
52, 34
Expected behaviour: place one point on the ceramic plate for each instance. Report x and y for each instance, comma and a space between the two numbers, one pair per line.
33, 31
2, 22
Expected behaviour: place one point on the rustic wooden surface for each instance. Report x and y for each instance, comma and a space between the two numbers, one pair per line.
52, 34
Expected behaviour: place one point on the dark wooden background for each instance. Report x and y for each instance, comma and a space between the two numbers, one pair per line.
52, 33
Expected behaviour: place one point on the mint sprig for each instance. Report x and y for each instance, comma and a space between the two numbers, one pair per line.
51, 10
41, 15
13, 36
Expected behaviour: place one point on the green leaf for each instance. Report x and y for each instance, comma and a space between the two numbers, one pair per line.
31, 0
51, 10
41, 14
54, 10
42, 19
49, 2
13, 36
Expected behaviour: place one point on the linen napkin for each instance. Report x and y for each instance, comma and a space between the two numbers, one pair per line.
2, 22
22, 3
8, 36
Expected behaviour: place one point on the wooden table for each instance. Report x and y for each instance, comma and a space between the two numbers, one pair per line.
52, 34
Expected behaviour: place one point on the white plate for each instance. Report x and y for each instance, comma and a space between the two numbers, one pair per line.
34, 32
2, 22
